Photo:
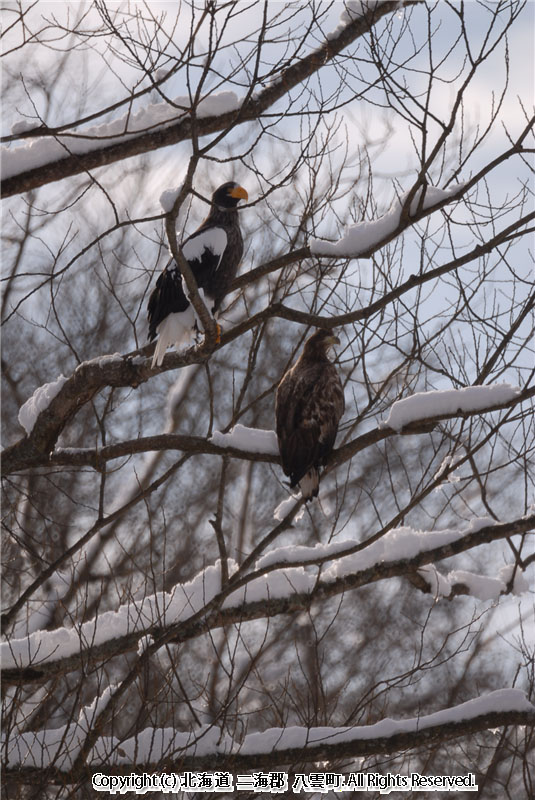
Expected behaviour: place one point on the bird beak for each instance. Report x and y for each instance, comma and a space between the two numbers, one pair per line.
239, 193
333, 339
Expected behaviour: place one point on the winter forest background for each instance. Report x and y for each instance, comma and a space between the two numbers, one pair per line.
166, 604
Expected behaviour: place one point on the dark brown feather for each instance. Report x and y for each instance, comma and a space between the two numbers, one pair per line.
308, 407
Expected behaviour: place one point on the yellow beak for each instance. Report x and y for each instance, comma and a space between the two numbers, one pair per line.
239, 192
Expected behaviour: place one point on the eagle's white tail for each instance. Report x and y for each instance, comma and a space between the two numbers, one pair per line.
309, 484
175, 330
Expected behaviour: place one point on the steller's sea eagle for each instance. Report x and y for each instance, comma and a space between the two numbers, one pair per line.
214, 253
308, 406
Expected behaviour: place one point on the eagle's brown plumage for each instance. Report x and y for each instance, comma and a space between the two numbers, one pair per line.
308, 407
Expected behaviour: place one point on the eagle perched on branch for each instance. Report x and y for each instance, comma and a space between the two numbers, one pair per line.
308, 406
214, 253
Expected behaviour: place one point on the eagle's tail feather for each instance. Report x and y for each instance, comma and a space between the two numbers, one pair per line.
175, 330
309, 484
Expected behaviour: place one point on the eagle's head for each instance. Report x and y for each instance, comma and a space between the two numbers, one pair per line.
229, 195
319, 344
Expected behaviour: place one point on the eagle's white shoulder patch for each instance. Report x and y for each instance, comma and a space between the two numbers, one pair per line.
213, 239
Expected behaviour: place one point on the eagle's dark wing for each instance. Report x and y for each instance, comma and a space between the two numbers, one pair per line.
297, 442
309, 404
166, 298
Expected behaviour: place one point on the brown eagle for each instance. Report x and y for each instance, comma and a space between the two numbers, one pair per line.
214, 253
308, 406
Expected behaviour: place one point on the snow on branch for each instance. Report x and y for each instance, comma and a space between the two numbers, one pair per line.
482, 587
404, 542
152, 117
38, 402
250, 440
353, 9
365, 237
131, 619
449, 402
304, 738
57, 746
284, 580
37, 449
159, 125
210, 747
53, 405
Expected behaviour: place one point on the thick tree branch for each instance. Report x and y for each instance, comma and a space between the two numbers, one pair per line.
214, 616
182, 130
428, 735
197, 445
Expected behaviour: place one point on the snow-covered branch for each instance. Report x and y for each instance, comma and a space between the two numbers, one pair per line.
53, 158
461, 582
216, 445
208, 747
364, 238
285, 580
444, 404
46, 150
44, 422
